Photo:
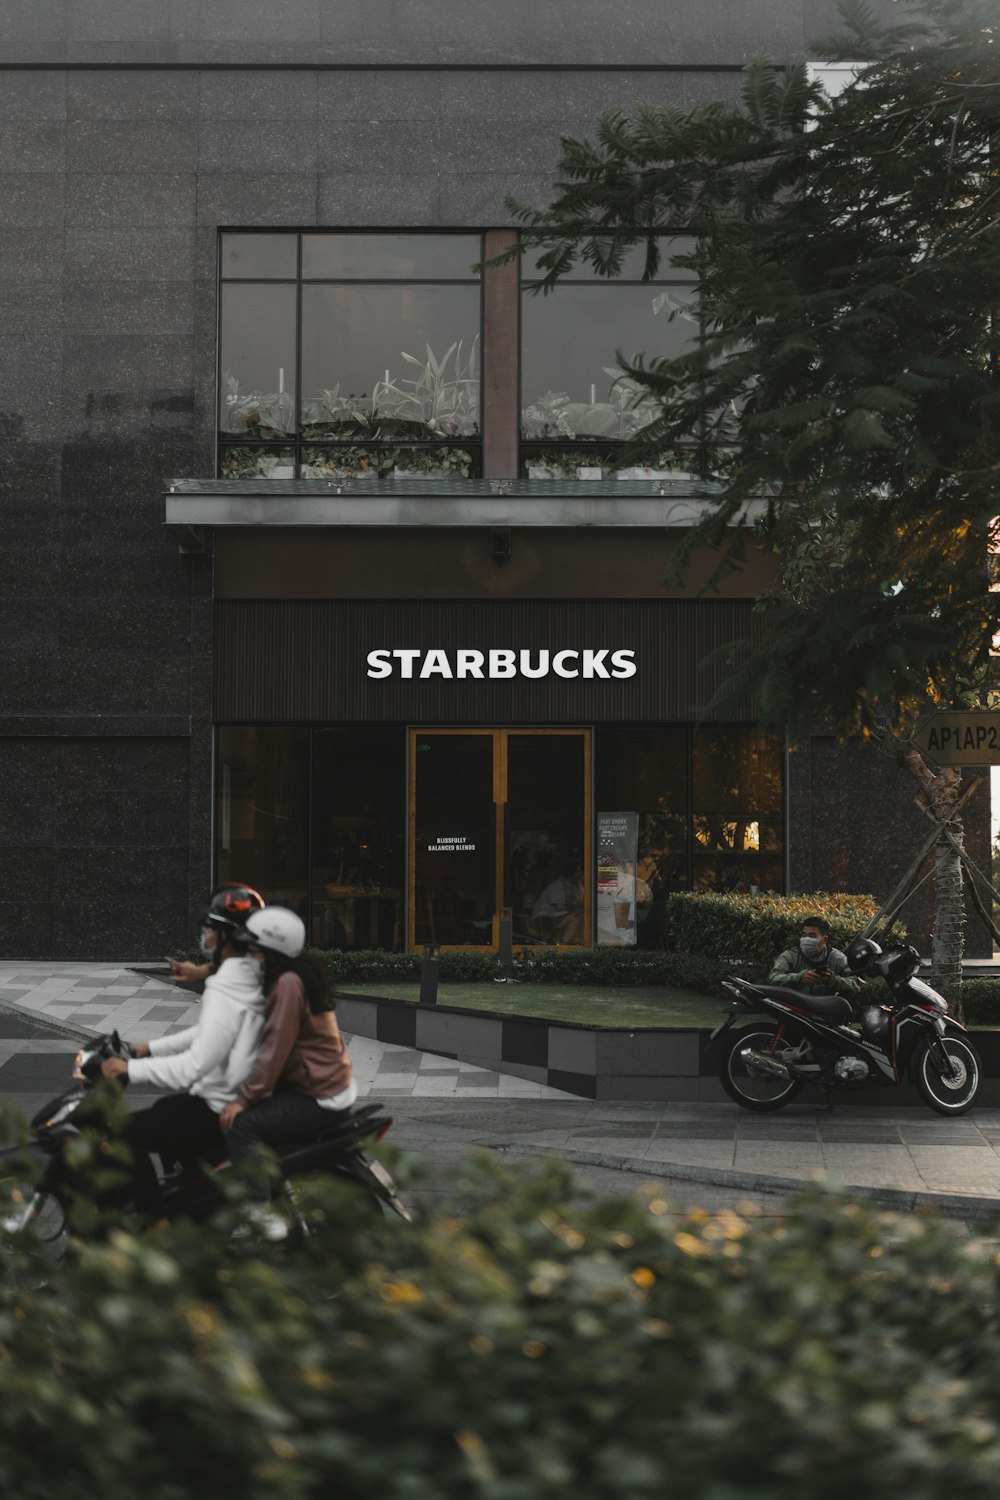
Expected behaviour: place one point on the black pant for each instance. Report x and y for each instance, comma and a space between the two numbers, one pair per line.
285, 1116
179, 1128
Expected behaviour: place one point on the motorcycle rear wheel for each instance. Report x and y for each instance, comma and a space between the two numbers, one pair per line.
949, 1096
746, 1088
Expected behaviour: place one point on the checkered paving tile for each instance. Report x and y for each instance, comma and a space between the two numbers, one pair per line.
112, 997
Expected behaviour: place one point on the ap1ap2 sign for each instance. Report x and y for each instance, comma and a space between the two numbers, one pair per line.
962, 738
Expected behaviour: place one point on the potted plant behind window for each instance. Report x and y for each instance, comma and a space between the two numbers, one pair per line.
340, 463
438, 462
260, 416
555, 417
552, 417
439, 403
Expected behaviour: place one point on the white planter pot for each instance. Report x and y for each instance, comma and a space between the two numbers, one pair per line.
640, 473
652, 474
589, 472
282, 471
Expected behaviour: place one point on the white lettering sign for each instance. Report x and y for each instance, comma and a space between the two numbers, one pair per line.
502, 663
452, 845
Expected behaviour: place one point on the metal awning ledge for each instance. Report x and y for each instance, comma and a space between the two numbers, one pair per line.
680, 503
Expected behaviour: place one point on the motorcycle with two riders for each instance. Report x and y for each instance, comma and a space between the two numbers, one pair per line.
42, 1179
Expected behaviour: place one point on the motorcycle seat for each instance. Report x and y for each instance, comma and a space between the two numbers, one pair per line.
833, 1008
354, 1116
345, 1126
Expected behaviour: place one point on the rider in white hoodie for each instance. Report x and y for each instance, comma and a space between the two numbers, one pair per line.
208, 1061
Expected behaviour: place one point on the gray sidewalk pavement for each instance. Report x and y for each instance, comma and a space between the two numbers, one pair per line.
902, 1157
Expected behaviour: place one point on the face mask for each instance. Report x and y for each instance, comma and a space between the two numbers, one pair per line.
207, 941
812, 947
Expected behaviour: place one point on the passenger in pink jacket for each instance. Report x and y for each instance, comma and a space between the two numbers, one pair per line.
303, 1070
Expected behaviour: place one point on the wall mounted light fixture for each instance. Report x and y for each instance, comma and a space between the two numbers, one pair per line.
500, 545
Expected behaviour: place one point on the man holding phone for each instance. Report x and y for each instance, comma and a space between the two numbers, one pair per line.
813, 964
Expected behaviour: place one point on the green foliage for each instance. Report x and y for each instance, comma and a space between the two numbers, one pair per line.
589, 966
749, 932
981, 1001
443, 396
254, 463
848, 254
518, 1344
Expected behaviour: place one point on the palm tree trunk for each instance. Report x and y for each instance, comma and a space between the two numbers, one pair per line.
940, 791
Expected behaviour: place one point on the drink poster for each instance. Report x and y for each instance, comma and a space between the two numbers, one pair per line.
617, 848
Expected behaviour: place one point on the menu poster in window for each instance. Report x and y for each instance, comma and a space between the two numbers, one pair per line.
617, 848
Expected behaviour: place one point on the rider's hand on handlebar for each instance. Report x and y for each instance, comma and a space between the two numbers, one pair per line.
114, 1067
138, 1049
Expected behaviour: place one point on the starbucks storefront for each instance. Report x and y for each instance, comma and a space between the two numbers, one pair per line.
401, 772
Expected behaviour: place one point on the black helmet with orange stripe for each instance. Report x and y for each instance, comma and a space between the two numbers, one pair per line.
230, 906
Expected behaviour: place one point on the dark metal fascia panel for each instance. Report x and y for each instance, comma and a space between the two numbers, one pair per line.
301, 660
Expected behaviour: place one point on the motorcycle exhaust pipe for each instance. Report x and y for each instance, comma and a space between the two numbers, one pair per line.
764, 1066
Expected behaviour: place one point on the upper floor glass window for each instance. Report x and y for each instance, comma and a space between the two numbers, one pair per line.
349, 354
359, 354
577, 407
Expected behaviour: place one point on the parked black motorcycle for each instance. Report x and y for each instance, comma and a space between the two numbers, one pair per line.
39, 1199
816, 1040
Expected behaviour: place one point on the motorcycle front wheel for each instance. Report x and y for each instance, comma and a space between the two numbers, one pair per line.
954, 1093
38, 1228
747, 1086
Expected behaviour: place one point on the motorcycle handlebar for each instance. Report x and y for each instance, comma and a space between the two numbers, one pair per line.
89, 1059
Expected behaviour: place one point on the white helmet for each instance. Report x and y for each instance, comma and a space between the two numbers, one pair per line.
277, 929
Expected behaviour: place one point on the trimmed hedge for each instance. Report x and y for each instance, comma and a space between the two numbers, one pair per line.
981, 1001
516, 1344
586, 966
750, 931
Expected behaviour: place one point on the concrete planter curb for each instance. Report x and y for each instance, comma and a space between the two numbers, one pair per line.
594, 1062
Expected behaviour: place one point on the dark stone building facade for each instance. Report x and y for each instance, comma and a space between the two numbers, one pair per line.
133, 135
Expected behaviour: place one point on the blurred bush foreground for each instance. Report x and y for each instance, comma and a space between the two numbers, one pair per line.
518, 1346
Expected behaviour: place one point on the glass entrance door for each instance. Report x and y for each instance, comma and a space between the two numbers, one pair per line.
499, 818
453, 849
